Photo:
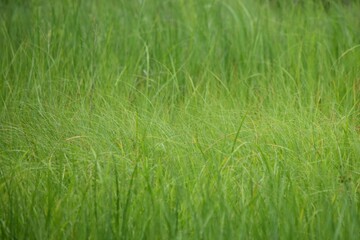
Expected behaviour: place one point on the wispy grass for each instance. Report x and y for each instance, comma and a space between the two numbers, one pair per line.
179, 120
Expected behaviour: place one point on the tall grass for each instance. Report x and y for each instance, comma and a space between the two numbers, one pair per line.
179, 120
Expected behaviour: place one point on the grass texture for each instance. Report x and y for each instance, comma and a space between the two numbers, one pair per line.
206, 119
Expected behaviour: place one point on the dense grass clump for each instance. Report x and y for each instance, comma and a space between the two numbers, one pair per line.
179, 119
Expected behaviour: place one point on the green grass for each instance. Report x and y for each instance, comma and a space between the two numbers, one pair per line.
179, 120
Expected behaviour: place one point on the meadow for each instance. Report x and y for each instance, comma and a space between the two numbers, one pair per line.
196, 119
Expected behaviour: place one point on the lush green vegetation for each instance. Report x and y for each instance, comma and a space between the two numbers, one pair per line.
196, 119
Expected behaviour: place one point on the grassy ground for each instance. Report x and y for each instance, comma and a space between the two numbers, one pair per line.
179, 120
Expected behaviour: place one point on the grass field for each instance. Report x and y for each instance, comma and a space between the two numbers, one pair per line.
196, 119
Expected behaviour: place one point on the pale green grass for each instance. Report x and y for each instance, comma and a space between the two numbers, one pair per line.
179, 120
